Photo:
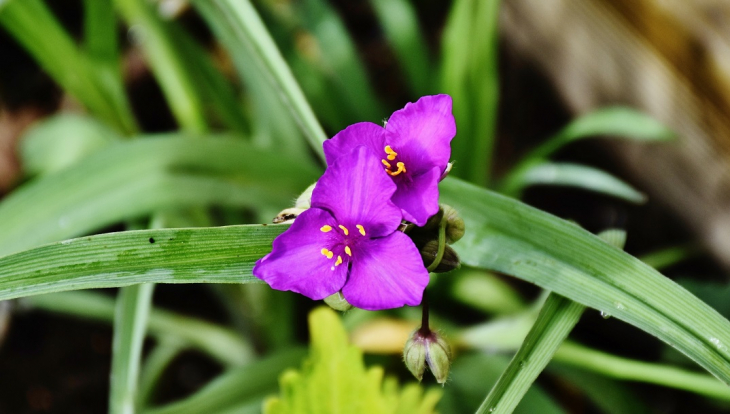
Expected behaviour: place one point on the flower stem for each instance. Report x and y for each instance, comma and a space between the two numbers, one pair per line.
442, 246
425, 328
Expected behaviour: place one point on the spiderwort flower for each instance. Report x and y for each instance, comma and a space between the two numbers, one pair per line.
413, 148
348, 241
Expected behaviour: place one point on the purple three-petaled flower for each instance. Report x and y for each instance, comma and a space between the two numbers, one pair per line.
413, 148
348, 241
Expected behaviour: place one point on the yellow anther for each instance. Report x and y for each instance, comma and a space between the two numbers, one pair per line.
348, 251
391, 154
344, 229
360, 228
339, 261
401, 169
386, 163
326, 228
327, 253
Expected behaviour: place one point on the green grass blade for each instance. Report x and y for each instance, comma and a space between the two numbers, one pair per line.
616, 122
134, 178
160, 42
100, 33
130, 325
556, 319
510, 237
238, 25
252, 382
572, 175
195, 255
400, 24
469, 73
36, 28
631, 370
225, 345
340, 61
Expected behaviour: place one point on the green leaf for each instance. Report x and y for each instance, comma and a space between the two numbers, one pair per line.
335, 380
400, 24
238, 26
469, 73
95, 86
130, 326
196, 255
163, 50
135, 178
617, 121
510, 237
62, 140
339, 60
572, 175
614, 122
557, 318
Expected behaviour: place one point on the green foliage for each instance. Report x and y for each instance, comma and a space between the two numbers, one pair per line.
469, 73
334, 379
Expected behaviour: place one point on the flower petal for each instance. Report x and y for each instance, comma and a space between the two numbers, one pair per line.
419, 199
357, 191
386, 273
362, 133
296, 261
424, 129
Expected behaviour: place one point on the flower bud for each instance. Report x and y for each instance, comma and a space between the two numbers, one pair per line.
338, 302
427, 348
455, 227
449, 261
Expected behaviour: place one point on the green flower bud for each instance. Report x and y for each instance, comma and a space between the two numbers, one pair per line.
449, 261
427, 348
455, 227
338, 302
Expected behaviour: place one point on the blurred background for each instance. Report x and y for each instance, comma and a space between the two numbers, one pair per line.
519, 71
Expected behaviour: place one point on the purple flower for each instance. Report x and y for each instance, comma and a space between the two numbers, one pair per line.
414, 149
348, 241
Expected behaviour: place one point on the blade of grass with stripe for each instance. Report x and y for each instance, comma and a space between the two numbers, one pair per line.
510, 237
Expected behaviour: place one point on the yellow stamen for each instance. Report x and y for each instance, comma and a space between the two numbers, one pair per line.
401, 169
326, 228
391, 154
339, 261
327, 253
386, 163
361, 228
348, 251
344, 229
